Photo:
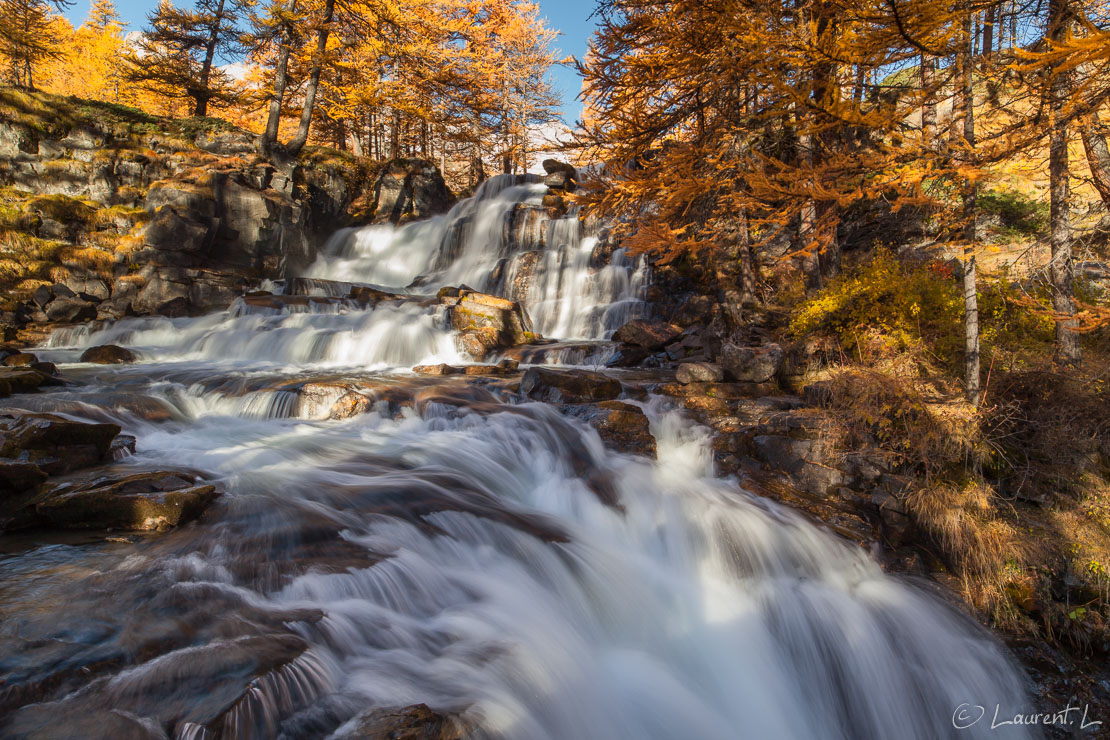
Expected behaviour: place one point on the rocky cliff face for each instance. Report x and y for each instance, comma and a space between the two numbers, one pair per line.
113, 212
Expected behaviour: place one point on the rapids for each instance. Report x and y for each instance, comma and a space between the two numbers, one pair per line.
457, 551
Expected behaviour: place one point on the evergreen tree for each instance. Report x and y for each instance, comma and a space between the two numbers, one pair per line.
177, 54
30, 34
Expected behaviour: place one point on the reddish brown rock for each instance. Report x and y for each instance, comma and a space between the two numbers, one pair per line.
54, 443
416, 722
143, 501
470, 310
649, 335
108, 354
440, 369
570, 386
23, 359
622, 426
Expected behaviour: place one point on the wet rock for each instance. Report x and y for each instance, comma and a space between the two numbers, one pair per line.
649, 335
54, 443
22, 359
369, 296
699, 372
751, 364
416, 722
348, 405
628, 356
123, 446
479, 342
142, 501
19, 477
554, 203
108, 354
440, 369
70, 310
46, 368
622, 426
505, 367
570, 386
470, 310
21, 380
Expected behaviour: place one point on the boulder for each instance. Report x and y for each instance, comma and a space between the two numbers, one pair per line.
108, 354
568, 386
410, 188
22, 359
751, 364
42, 295
479, 342
54, 443
699, 372
21, 380
348, 405
19, 477
141, 501
46, 368
554, 166
440, 369
622, 426
803, 459
560, 181
470, 310
65, 310
416, 722
648, 335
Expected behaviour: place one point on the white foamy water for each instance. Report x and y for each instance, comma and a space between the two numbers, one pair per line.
522, 601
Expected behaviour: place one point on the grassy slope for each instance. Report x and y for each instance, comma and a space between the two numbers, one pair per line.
102, 236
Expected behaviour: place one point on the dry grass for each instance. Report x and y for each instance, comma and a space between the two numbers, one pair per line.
1013, 497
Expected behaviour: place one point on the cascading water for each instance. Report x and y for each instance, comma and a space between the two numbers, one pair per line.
488, 558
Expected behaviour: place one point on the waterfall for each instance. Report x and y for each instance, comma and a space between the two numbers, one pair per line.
501, 241
452, 545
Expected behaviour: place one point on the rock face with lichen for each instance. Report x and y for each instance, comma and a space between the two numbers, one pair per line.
485, 322
124, 213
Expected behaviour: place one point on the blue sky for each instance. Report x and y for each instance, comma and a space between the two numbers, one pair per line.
569, 17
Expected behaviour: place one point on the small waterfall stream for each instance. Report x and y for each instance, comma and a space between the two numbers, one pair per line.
456, 551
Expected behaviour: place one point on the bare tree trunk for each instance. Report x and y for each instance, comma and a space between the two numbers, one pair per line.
988, 32
202, 98
1061, 268
301, 137
395, 136
1098, 154
929, 107
970, 196
281, 76
807, 221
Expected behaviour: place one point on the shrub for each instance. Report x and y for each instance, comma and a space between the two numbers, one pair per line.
1018, 214
920, 308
